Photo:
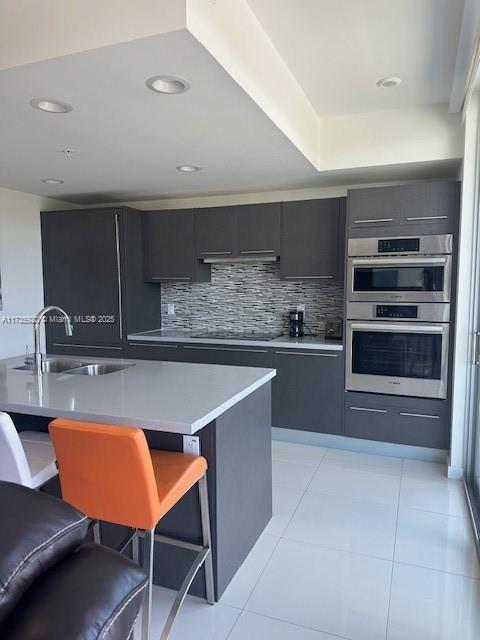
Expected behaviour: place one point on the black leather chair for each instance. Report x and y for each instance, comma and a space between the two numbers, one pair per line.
54, 587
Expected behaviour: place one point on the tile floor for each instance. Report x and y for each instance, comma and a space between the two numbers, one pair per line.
360, 547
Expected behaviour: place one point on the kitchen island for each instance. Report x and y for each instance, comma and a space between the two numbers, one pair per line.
228, 408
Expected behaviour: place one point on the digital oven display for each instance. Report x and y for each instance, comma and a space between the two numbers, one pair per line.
398, 245
409, 311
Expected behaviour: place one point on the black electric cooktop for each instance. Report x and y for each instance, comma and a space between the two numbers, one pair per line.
234, 335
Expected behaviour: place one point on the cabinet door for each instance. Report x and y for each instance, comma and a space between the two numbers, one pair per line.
258, 229
374, 207
420, 422
167, 351
82, 274
169, 246
311, 237
307, 392
432, 205
228, 355
215, 232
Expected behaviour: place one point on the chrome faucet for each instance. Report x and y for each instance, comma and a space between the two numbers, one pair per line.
37, 355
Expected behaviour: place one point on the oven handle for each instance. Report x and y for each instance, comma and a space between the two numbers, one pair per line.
398, 328
398, 261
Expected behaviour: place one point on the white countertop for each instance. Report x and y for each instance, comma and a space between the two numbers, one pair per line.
283, 342
163, 396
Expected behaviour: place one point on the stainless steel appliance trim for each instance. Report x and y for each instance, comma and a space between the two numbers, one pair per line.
258, 251
436, 244
399, 261
394, 385
418, 415
400, 296
373, 220
84, 346
426, 312
427, 218
119, 275
309, 277
214, 347
368, 410
301, 353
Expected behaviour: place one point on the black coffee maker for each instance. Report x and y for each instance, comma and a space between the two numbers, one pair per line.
296, 324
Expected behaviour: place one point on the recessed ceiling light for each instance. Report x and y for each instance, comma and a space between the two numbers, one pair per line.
188, 168
50, 106
389, 82
52, 181
167, 84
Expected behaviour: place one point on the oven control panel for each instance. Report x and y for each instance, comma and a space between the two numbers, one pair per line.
398, 245
396, 311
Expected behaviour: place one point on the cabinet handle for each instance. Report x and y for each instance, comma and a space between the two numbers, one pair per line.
373, 221
368, 410
84, 346
169, 278
258, 251
119, 275
224, 349
418, 415
215, 253
428, 218
309, 277
301, 353
153, 344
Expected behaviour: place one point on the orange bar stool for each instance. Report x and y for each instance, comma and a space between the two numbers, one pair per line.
109, 473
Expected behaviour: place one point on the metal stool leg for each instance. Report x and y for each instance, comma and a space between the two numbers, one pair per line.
96, 532
147, 564
207, 539
203, 557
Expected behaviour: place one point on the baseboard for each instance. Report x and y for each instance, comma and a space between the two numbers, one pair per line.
361, 446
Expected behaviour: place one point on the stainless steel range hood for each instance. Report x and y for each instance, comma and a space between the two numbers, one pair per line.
240, 259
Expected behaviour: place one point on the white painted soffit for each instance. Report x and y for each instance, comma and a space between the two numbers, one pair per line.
34, 30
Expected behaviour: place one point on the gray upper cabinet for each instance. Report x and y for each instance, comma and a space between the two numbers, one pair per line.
168, 248
258, 230
418, 208
215, 232
312, 239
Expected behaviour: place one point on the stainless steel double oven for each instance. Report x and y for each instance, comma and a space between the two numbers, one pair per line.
398, 314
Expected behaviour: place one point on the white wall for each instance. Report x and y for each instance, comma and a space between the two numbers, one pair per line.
20, 265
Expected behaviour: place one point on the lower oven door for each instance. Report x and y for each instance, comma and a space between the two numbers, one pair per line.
401, 359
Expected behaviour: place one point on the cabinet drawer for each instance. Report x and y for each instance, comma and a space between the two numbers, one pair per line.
410, 425
154, 351
227, 355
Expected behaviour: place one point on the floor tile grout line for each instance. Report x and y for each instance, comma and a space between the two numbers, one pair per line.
394, 503
293, 624
394, 550
449, 573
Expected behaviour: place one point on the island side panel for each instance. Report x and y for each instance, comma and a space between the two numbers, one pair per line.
243, 480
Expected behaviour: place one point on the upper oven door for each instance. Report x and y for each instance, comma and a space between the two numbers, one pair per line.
405, 279
403, 359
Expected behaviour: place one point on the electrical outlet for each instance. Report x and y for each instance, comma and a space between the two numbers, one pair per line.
191, 445
171, 309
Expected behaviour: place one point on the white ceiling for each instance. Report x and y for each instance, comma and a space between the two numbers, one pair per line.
338, 49
128, 140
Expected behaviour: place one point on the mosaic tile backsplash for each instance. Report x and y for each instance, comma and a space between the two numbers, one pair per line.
246, 297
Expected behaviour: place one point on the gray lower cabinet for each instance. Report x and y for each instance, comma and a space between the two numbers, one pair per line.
228, 355
307, 392
421, 422
168, 351
313, 239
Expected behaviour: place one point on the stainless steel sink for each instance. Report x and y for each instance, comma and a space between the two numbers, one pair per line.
54, 365
99, 369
